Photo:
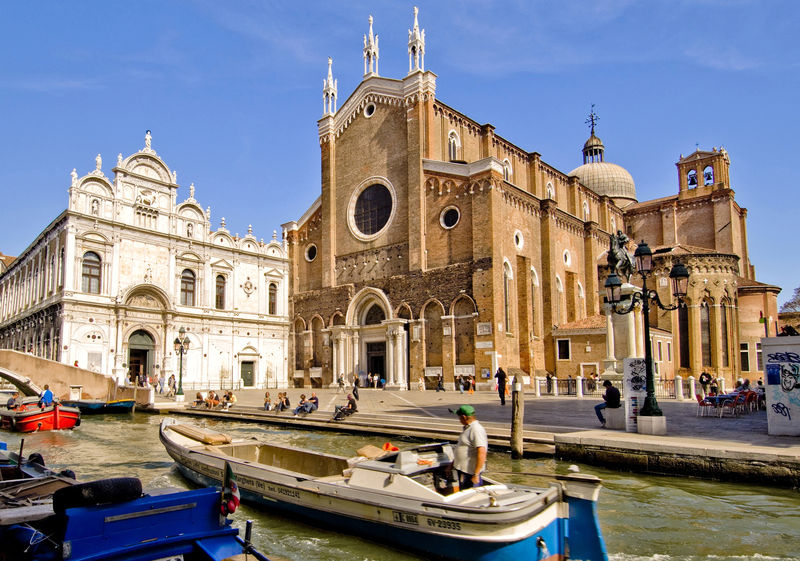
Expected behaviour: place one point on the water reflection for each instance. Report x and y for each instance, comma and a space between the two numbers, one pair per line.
643, 517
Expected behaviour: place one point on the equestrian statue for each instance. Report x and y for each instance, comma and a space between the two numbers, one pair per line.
619, 259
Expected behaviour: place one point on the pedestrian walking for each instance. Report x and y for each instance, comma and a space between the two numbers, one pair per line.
501, 384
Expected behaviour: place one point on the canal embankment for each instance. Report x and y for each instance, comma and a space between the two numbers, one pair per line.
730, 448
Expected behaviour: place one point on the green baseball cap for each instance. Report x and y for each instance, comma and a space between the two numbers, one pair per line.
466, 410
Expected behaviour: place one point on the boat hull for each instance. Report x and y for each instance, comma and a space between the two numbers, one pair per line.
33, 418
538, 530
98, 407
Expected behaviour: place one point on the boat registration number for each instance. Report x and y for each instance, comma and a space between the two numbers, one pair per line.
445, 524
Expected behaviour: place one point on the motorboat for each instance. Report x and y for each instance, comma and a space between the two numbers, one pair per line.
46, 516
101, 406
399, 497
31, 417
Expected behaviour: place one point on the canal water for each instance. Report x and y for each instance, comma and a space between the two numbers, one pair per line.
642, 517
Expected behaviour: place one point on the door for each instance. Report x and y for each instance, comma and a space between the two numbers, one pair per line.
247, 373
376, 359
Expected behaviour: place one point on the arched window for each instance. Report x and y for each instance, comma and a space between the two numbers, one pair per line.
219, 301
559, 299
534, 285
299, 345
613, 225
374, 315
506, 170
273, 299
708, 175
61, 271
683, 336
452, 146
705, 334
464, 336
187, 288
507, 296
691, 178
723, 332
90, 275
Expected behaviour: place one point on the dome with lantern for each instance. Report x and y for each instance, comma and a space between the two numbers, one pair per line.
604, 178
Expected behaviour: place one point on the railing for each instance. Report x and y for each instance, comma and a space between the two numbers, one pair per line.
590, 387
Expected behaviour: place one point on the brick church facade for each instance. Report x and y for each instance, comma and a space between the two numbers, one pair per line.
438, 247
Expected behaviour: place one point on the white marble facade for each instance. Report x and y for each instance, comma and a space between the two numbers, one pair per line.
111, 280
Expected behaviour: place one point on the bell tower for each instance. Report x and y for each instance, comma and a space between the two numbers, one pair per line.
703, 172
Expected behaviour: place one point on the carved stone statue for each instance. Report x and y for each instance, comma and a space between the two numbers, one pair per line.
147, 140
74, 175
619, 259
119, 160
99, 161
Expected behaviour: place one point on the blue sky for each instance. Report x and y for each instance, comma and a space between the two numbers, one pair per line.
232, 92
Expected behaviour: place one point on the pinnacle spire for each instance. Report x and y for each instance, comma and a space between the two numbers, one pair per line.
416, 46
371, 52
329, 91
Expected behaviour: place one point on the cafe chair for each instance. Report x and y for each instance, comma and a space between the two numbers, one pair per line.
734, 405
703, 406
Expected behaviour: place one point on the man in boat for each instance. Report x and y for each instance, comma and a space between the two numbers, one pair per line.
470, 454
14, 401
46, 399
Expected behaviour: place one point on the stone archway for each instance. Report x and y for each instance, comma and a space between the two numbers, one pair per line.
141, 352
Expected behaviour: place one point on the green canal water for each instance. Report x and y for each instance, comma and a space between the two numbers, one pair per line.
642, 517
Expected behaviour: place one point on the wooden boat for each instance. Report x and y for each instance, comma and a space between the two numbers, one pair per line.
46, 516
101, 406
30, 417
394, 498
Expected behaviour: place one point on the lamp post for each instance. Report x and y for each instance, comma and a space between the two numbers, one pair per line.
679, 275
181, 348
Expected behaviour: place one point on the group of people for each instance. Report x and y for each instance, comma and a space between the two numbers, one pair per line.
282, 402
307, 405
213, 400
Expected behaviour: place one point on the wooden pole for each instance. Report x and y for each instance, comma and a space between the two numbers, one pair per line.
517, 415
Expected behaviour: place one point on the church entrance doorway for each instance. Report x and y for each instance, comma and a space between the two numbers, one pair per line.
141, 348
247, 370
376, 359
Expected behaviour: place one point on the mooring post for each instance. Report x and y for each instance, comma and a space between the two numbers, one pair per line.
517, 415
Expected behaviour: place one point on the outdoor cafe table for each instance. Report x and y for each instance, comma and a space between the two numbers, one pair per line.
718, 400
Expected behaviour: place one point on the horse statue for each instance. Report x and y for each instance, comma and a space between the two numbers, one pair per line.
619, 259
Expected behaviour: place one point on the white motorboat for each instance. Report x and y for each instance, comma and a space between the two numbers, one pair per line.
395, 497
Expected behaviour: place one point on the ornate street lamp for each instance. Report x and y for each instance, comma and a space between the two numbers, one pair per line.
181, 348
679, 275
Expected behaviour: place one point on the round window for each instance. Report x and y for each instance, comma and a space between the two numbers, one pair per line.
449, 217
369, 110
519, 241
373, 209
567, 258
311, 252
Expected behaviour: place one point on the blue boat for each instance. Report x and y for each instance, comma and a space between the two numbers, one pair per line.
112, 520
100, 406
399, 497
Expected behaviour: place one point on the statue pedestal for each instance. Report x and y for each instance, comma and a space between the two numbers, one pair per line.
652, 425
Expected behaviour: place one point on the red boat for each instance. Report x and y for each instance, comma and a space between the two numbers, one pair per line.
30, 417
